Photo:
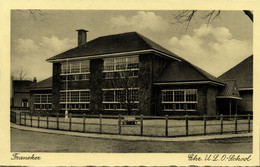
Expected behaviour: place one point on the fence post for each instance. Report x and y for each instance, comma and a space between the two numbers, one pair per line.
38, 120
187, 125
20, 118
205, 124
235, 123
119, 124
31, 119
58, 121
84, 122
47, 120
70, 121
166, 125
100, 123
249, 123
221, 124
25, 118
141, 124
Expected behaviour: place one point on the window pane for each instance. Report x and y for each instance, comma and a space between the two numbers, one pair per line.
109, 75
109, 95
43, 98
120, 95
109, 64
191, 106
120, 63
191, 95
168, 106
63, 97
179, 106
85, 66
49, 98
37, 98
134, 95
84, 96
132, 63
37, 106
74, 96
65, 68
178, 95
75, 66
168, 96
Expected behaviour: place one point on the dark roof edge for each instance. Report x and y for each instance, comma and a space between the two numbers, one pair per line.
235, 66
202, 72
145, 38
189, 82
110, 54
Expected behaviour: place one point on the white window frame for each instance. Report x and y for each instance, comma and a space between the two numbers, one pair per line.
41, 103
185, 102
114, 101
77, 74
69, 102
25, 104
115, 63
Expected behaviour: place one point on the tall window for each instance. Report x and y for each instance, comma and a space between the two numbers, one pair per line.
43, 101
121, 67
76, 99
179, 100
116, 99
75, 70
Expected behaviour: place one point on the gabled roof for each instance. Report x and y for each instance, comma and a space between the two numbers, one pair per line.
21, 85
230, 90
111, 44
185, 72
42, 85
242, 73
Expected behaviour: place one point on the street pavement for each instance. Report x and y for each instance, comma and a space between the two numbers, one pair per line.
131, 138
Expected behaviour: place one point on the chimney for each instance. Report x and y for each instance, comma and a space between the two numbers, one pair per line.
34, 80
82, 36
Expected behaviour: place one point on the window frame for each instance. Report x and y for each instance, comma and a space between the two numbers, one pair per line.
76, 75
175, 103
75, 103
114, 63
43, 105
115, 102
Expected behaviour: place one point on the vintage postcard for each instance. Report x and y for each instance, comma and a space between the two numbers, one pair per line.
129, 83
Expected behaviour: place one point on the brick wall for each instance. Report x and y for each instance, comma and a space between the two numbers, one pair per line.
56, 86
18, 98
246, 104
96, 80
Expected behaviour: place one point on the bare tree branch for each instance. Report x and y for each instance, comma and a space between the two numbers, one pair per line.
186, 16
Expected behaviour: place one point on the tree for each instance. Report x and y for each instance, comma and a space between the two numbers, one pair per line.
20, 75
186, 16
126, 89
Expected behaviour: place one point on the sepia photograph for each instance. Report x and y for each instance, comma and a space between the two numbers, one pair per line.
147, 82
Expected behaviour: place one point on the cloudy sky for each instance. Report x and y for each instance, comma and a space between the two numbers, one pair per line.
214, 47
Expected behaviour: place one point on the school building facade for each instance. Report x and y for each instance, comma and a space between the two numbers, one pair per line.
128, 74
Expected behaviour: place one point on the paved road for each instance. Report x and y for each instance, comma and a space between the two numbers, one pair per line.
27, 141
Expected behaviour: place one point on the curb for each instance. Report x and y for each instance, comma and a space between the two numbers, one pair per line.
130, 138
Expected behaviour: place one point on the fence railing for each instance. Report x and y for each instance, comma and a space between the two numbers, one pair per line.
168, 126
13, 117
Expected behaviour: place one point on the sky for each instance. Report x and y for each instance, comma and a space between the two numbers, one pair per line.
215, 47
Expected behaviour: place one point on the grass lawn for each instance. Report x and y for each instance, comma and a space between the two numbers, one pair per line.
150, 127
